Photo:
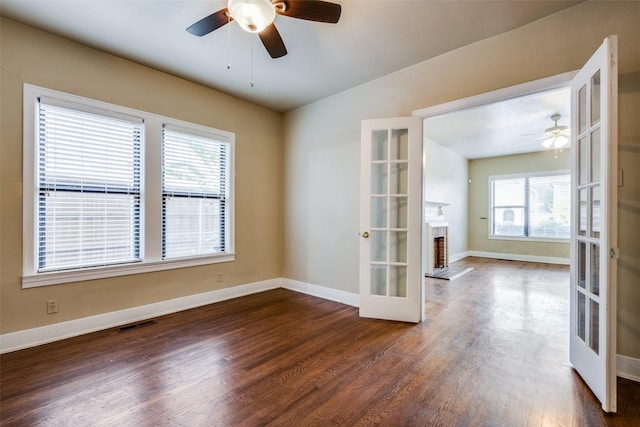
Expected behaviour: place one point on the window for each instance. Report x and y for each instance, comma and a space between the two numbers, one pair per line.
109, 191
194, 194
530, 206
88, 179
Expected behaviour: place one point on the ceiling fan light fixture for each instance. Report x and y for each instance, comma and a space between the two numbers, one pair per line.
556, 142
560, 141
252, 15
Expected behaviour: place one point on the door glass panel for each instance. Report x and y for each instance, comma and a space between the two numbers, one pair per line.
398, 281
595, 269
378, 212
582, 257
582, 109
379, 178
400, 144
398, 214
595, 211
595, 98
594, 325
398, 246
583, 156
595, 155
379, 246
399, 178
582, 302
379, 145
582, 212
379, 280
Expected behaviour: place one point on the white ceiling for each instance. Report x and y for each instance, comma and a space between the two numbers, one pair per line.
372, 39
511, 126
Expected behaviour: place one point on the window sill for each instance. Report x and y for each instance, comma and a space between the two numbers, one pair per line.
70, 276
530, 239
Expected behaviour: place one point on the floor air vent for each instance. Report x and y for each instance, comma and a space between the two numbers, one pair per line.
137, 325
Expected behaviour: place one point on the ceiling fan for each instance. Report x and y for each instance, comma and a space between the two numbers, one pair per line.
557, 136
256, 16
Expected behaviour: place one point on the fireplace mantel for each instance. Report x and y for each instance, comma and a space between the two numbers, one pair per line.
432, 203
433, 211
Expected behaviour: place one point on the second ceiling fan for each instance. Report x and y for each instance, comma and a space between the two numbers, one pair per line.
256, 16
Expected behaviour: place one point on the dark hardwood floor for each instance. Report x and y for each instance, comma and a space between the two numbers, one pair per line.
492, 352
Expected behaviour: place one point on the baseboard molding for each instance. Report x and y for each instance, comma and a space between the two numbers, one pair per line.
58, 331
331, 294
628, 367
457, 257
519, 257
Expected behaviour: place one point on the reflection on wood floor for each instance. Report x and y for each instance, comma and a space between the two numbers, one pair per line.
493, 351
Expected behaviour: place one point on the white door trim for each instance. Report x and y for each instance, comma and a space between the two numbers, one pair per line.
528, 88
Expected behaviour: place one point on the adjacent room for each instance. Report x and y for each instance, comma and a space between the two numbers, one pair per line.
182, 230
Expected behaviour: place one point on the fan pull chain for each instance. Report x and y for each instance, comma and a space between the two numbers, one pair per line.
228, 42
252, 83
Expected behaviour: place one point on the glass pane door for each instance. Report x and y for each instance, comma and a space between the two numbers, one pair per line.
390, 183
594, 229
391, 200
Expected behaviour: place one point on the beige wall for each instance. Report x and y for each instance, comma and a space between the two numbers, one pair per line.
35, 57
479, 171
322, 139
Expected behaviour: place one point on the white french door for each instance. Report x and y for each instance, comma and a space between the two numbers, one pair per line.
594, 222
391, 219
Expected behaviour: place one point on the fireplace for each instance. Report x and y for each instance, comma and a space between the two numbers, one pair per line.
440, 249
435, 239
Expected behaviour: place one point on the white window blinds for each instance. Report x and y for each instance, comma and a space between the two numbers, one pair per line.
195, 175
88, 180
509, 207
534, 206
549, 206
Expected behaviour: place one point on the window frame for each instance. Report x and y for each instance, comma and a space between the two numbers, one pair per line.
491, 208
151, 193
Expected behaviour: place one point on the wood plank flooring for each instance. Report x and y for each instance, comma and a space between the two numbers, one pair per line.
493, 352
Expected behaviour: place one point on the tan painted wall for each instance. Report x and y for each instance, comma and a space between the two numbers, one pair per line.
35, 57
322, 139
479, 171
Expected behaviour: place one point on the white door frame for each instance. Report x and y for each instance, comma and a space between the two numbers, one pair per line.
548, 83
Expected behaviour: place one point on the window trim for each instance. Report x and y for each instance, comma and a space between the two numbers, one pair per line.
151, 193
492, 236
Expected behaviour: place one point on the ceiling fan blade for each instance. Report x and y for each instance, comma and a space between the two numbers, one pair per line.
272, 41
210, 23
312, 10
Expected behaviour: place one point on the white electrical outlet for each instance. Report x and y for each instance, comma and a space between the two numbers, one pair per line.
52, 306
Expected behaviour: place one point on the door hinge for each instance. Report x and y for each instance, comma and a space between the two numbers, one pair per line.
614, 253
620, 178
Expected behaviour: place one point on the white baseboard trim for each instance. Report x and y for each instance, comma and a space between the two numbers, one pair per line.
628, 367
519, 257
331, 294
58, 331
458, 257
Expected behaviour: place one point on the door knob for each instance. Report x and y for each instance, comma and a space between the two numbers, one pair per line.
365, 234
